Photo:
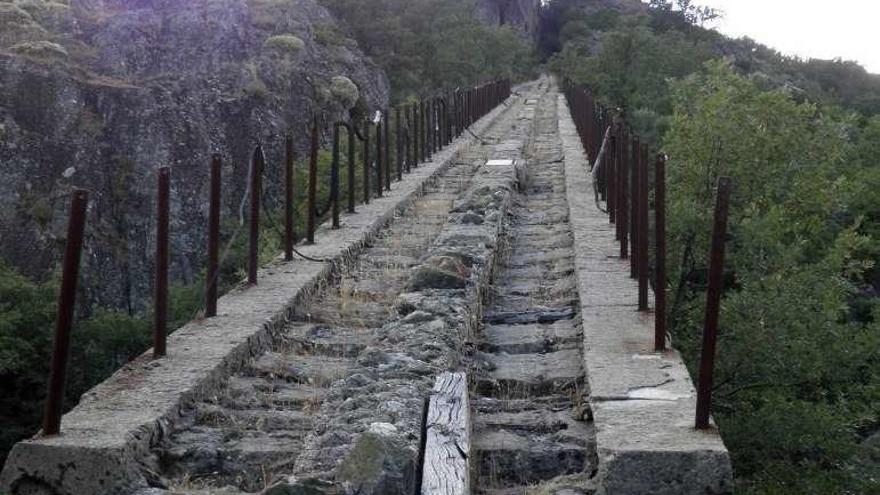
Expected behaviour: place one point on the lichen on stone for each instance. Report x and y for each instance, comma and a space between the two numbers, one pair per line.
286, 43
40, 49
345, 91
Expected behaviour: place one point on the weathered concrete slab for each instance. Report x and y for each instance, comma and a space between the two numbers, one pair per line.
107, 436
643, 403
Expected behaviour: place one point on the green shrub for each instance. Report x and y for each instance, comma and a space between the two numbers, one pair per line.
286, 43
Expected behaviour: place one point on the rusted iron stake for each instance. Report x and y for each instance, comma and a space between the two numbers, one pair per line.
408, 138
660, 247
643, 230
417, 135
160, 294
213, 272
312, 200
611, 182
257, 164
334, 178
366, 177
288, 198
387, 171
713, 304
633, 216
399, 143
351, 165
379, 179
64, 320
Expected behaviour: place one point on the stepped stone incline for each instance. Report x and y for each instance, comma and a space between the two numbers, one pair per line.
473, 332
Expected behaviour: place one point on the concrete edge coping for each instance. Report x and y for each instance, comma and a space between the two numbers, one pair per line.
643, 402
106, 437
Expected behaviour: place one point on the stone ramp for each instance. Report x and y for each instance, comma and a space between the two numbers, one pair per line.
333, 353
530, 429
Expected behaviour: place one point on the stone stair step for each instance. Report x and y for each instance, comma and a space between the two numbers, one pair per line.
325, 340
312, 370
506, 458
523, 317
348, 311
531, 338
518, 375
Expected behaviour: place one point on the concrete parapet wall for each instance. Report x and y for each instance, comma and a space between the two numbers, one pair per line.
642, 402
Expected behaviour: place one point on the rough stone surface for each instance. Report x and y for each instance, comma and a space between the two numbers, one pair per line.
98, 94
531, 433
642, 402
365, 347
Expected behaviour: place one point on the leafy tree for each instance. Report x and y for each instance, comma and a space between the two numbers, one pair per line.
431, 45
797, 378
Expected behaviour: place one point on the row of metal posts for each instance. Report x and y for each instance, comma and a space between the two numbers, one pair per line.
422, 128
624, 185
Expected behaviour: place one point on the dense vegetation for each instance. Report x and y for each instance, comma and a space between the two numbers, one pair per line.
431, 45
798, 378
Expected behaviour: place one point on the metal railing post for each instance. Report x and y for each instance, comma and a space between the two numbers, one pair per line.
213, 272
288, 198
257, 164
64, 320
713, 304
311, 195
160, 295
660, 247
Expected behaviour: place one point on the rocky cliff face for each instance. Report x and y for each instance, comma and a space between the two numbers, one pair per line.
100, 93
522, 15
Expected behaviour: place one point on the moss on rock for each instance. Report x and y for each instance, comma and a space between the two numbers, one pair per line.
345, 91
286, 43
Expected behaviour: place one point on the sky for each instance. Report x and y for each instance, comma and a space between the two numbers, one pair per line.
849, 29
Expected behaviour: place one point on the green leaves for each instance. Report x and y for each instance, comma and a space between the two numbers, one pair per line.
794, 375
430, 45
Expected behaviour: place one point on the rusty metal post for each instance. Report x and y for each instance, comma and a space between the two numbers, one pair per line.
408, 138
379, 179
429, 128
633, 216
399, 143
64, 320
288, 198
213, 273
366, 178
620, 172
160, 294
660, 247
256, 192
713, 304
611, 179
623, 206
334, 178
311, 195
643, 230
351, 165
423, 127
416, 133
387, 118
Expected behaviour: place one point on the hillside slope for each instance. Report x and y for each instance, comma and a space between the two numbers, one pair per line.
99, 93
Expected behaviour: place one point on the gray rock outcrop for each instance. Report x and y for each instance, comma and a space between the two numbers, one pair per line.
100, 93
